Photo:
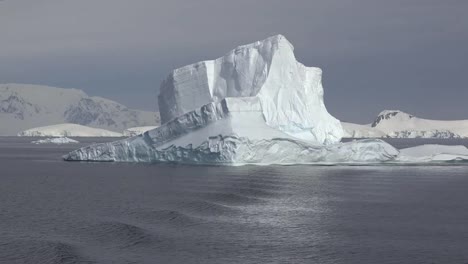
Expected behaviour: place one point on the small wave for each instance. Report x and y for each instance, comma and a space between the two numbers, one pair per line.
39, 251
230, 198
207, 208
120, 234
167, 217
261, 192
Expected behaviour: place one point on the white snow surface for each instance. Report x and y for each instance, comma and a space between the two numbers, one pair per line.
134, 131
23, 106
59, 140
398, 124
68, 130
288, 94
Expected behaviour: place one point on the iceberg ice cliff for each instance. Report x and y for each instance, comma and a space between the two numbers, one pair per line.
255, 105
286, 93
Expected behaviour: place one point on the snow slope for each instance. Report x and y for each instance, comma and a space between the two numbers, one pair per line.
397, 124
24, 106
68, 130
133, 131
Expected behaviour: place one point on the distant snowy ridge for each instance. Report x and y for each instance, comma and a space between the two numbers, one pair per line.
398, 124
24, 106
68, 130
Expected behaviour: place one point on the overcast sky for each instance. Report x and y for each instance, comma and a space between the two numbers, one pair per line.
376, 54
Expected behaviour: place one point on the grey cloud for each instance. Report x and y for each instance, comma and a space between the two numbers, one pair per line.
375, 53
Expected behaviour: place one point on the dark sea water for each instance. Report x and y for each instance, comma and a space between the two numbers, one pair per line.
53, 211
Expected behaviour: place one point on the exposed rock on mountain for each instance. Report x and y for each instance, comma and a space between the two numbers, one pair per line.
25, 106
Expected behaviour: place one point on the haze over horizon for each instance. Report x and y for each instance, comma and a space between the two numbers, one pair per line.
376, 55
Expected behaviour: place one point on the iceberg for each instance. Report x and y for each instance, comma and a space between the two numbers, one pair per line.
255, 105
59, 140
232, 150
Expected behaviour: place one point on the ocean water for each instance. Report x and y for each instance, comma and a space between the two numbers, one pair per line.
53, 211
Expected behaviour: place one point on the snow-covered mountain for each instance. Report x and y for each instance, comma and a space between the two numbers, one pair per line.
255, 105
398, 124
24, 106
68, 130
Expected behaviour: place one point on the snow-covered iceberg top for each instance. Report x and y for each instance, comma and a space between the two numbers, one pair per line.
60, 140
68, 130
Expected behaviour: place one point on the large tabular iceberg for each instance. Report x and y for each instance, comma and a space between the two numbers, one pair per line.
255, 105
